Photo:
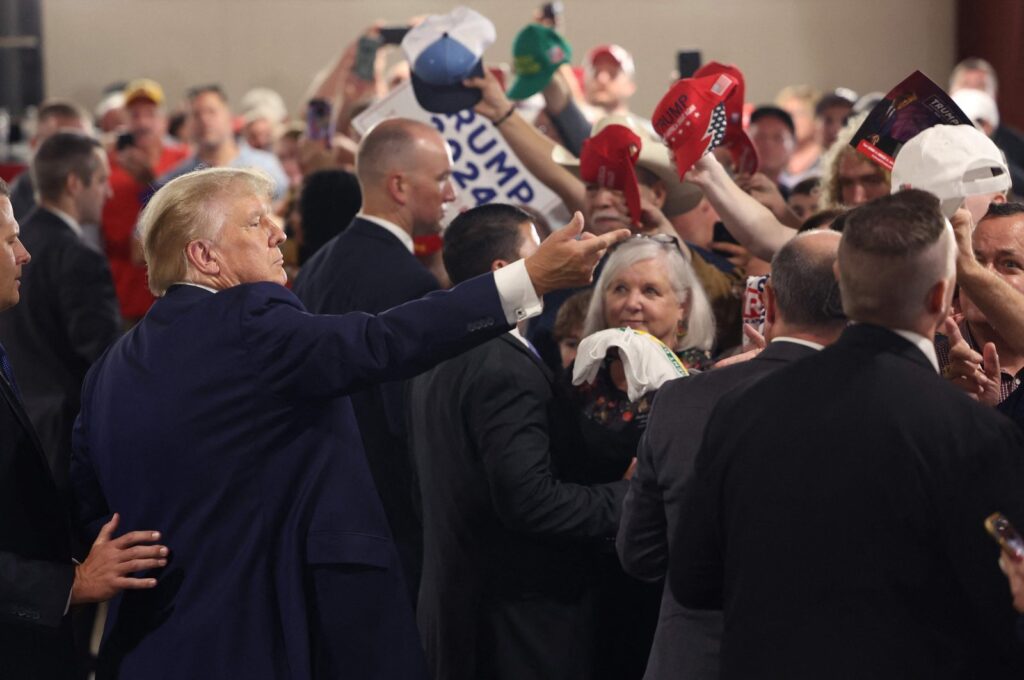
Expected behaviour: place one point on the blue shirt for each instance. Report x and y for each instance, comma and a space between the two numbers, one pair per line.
247, 157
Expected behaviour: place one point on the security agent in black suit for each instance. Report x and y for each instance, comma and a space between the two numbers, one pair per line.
404, 171
38, 580
803, 313
69, 311
838, 503
503, 594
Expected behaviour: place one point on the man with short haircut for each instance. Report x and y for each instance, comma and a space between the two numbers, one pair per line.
140, 155
803, 314
774, 136
39, 581
69, 314
503, 593
404, 173
222, 418
53, 116
214, 139
835, 500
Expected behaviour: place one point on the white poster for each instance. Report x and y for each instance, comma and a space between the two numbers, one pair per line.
484, 169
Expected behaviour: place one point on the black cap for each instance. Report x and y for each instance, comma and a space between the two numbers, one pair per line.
771, 111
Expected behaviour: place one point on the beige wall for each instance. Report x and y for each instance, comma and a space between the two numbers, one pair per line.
863, 44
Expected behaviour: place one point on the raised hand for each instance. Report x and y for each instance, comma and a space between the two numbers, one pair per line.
976, 374
566, 258
494, 104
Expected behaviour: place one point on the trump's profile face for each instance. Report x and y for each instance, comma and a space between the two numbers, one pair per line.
248, 245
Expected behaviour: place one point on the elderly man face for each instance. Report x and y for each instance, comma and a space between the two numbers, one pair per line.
248, 243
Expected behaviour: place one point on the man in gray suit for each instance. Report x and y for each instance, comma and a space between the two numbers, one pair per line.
803, 314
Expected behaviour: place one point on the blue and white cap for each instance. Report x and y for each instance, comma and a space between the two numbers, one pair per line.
443, 51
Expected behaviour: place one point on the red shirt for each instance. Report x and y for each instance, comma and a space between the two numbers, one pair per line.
120, 215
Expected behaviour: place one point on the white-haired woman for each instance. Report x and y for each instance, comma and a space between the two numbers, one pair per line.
646, 284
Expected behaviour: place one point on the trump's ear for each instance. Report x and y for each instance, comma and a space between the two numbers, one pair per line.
202, 258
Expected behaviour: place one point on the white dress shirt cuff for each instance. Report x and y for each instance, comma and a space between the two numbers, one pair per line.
518, 297
71, 590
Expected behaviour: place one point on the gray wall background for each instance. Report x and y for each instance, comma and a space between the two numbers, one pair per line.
862, 44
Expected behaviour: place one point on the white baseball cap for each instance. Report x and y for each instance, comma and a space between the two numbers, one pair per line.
978, 105
444, 50
952, 162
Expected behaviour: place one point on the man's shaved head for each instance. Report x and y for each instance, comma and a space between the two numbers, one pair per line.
388, 148
404, 171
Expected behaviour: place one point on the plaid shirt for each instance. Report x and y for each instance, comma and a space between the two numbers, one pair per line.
1009, 381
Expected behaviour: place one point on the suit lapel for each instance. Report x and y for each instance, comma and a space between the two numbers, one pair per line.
518, 346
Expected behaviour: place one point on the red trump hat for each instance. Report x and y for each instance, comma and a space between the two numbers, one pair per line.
691, 118
609, 158
736, 142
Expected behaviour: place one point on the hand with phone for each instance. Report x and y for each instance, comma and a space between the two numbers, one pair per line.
133, 159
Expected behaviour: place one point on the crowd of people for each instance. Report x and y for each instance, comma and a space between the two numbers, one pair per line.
289, 417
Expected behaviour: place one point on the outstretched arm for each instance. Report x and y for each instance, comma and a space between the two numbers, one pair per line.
753, 225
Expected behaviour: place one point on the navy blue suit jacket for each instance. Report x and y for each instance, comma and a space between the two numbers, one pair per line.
367, 269
221, 420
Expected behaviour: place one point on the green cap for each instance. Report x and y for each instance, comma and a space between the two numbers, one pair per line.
537, 53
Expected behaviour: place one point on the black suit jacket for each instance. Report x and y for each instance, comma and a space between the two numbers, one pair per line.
686, 643
35, 554
67, 317
502, 595
837, 515
367, 269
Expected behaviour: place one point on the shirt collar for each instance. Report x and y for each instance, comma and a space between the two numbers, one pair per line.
194, 285
800, 341
68, 220
519, 336
922, 343
398, 232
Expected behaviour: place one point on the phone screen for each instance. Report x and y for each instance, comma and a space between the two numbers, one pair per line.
318, 121
687, 62
366, 58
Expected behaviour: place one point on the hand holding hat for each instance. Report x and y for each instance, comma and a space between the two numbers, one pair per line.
691, 118
537, 52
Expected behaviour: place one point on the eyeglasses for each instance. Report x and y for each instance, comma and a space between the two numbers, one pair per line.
665, 240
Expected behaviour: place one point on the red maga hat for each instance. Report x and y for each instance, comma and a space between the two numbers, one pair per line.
691, 118
609, 158
736, 142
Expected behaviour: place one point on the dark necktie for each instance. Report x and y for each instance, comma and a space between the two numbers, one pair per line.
8, 372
